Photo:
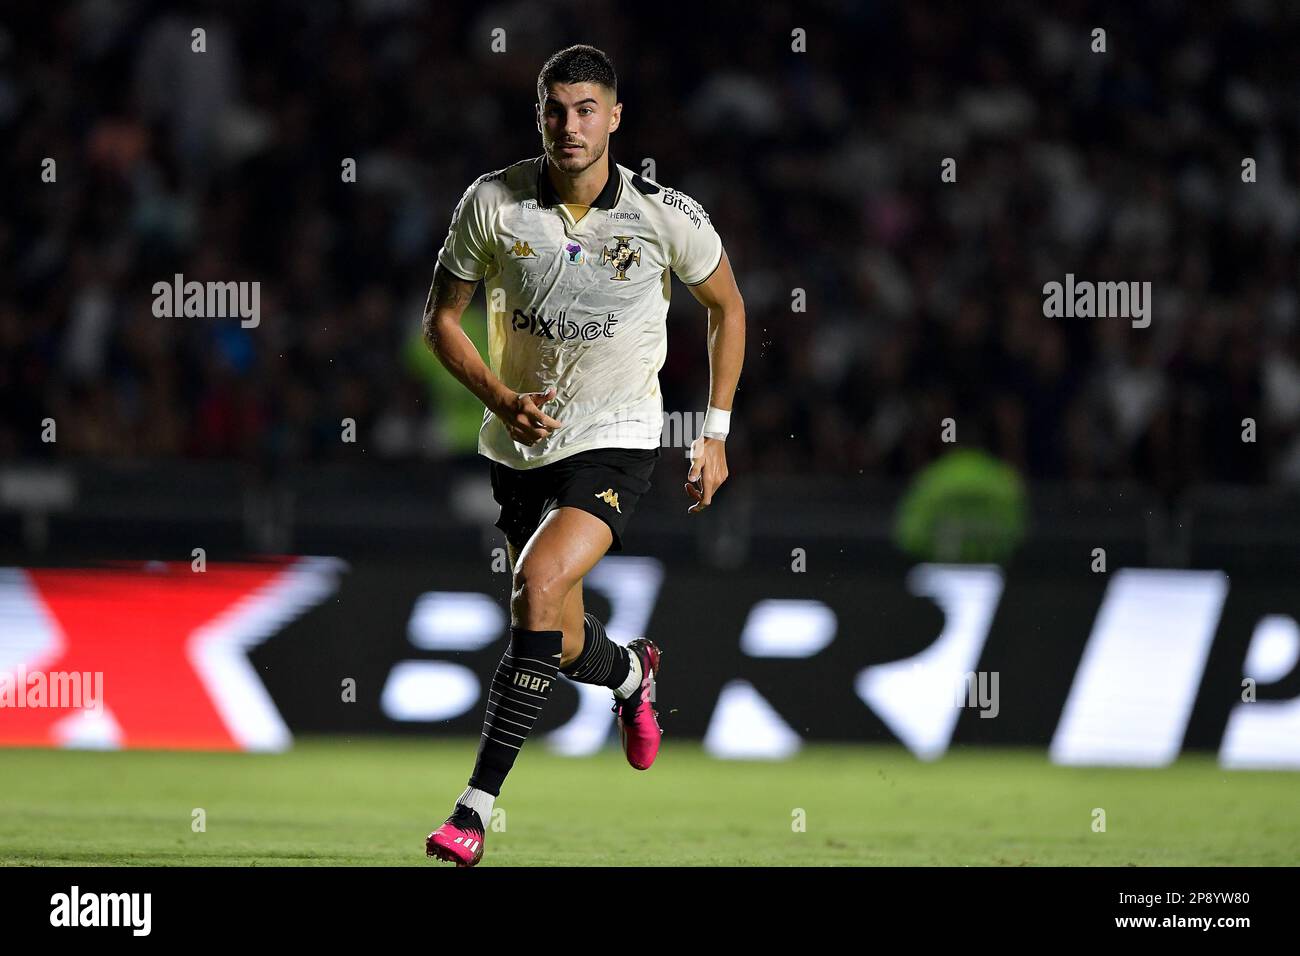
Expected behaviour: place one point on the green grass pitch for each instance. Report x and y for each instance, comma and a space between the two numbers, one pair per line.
370, 801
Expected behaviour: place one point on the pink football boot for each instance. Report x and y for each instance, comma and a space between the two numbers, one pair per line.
459, 840
638, 721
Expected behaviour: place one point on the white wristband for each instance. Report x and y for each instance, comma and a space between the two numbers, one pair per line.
717, 423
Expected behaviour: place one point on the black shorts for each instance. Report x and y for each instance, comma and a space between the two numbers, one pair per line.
606, 482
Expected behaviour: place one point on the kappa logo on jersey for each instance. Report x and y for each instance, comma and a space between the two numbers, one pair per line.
558, 327
622, 257
610, 497
523, 250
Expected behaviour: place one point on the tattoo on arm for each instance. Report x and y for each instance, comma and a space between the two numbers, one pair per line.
447, 292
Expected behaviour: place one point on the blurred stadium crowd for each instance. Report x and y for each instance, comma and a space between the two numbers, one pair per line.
821, 171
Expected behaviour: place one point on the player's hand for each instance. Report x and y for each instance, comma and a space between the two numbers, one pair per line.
708, 472
525, 420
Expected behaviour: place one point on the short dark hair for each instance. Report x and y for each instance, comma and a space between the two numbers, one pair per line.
579, 63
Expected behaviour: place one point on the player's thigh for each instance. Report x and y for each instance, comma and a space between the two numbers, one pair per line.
568, 543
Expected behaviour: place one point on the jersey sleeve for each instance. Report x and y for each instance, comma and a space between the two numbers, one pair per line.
467, 252
694, 246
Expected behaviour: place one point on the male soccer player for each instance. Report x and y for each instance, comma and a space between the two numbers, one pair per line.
575, 251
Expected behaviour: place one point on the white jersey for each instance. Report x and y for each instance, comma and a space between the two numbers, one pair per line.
580, 306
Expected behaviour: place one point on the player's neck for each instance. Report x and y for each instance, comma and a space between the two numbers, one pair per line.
583, 188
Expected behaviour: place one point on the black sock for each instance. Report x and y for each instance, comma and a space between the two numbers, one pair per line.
602, 661
518, 692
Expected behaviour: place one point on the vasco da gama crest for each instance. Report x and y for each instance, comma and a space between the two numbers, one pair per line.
622, 257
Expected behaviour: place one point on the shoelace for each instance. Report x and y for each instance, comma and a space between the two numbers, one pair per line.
463, 818
633, 704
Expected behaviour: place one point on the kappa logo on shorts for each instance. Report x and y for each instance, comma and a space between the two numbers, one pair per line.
610, 497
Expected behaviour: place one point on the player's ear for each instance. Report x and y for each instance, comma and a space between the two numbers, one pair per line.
615, 116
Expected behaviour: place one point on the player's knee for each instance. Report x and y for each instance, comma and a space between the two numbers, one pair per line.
538, 592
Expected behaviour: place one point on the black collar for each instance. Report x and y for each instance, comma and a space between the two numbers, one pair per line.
608, 198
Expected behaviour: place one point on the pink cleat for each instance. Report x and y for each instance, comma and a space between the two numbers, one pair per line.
638, 721
459, 840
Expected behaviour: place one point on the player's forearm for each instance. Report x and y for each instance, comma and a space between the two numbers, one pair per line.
447, 300
726, 354
460, 357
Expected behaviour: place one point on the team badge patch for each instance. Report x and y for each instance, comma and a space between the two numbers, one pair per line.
622, 257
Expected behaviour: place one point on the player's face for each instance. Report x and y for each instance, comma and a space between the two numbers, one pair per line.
577, 113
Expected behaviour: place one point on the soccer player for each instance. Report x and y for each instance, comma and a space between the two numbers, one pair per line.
575, 252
